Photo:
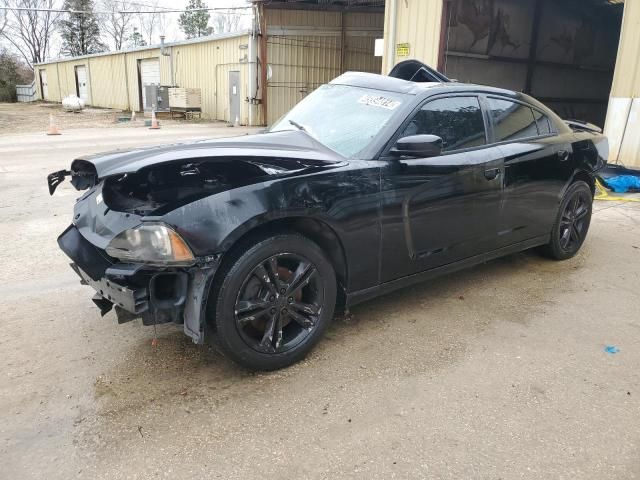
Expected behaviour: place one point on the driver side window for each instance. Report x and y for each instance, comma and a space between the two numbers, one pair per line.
457, 120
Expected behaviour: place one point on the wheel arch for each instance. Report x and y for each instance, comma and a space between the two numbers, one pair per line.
316, 230
580, 175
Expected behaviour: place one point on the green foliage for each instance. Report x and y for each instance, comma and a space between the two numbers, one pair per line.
12, 72
80, 32
195, 23
136, 39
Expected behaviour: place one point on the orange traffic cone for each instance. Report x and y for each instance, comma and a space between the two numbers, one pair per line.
53, 130
154, 121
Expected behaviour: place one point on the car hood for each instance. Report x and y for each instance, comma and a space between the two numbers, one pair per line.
275, 148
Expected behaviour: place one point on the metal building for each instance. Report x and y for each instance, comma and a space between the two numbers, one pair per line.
218, 65
578, 56
291, 48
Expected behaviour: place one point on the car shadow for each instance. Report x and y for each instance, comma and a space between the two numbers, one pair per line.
422, 328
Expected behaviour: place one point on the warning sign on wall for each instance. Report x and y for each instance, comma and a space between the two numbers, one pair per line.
402, 50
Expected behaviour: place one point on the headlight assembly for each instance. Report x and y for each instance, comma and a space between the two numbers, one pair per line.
154, 244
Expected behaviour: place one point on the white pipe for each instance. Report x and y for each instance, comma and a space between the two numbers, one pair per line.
391, 45
253, 68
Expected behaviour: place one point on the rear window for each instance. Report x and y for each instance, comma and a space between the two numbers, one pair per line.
544, 125
511, 120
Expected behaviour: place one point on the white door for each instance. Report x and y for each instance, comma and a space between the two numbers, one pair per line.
43, 85
149, 75
81, 78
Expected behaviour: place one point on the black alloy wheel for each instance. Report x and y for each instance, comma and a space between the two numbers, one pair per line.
279, 303
572, 224
574, 221
272, 300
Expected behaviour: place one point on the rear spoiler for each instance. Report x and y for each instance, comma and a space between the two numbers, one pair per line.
580, 126
416, 71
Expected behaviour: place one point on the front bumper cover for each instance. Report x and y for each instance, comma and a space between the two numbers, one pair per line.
156, 295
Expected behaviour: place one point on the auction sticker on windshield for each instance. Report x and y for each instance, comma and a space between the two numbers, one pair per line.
379, 101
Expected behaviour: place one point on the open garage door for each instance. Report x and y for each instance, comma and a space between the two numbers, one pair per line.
315, 43
562, 52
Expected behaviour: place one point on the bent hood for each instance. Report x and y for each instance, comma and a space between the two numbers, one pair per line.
267, 148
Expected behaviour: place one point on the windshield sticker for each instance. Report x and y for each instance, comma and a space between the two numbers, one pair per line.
379, 101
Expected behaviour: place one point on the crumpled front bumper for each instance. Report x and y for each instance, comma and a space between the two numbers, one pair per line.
156, 295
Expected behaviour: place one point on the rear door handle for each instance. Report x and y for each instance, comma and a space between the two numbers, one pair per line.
563, 155
491, 173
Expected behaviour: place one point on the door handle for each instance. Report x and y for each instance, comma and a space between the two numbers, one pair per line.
492, 173
563, 155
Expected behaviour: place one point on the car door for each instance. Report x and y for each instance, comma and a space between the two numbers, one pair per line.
538, 164
438, 210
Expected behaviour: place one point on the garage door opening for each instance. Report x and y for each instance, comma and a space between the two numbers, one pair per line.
562, 52
311, 42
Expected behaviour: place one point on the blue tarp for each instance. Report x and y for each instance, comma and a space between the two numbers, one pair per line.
623, 183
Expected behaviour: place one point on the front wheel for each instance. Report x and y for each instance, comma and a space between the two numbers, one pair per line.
572, 223
274, 301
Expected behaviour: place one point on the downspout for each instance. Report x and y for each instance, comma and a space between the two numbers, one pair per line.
391, 46
253, 69
264, 65
163, 51
126, 80
59, 87
90, 81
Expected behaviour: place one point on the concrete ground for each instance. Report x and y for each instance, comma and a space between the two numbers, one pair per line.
496, 372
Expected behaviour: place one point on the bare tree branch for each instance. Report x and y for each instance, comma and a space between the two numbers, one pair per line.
29, 31
117, 24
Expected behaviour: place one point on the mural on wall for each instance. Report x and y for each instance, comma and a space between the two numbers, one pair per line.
575, 42
483, 26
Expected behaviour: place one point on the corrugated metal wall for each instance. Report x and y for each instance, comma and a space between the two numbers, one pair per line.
623, 116
418, 23
304, 51
114, 81
491, 44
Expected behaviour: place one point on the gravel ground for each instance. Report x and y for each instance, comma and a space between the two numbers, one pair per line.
496, 372
34, 117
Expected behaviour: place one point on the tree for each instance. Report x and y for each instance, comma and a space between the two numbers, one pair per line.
136, 39
12, 72
30, 31
152, 22
3, 20
116, 24
80, 31
194, 21
226, 22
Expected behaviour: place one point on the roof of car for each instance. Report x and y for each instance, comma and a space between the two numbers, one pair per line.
390, 84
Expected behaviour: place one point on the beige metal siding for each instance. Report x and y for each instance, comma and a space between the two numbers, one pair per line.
418, 24
304, 51
113, 80
623, 116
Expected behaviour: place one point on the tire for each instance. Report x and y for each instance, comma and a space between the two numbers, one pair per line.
572, 222
273, 299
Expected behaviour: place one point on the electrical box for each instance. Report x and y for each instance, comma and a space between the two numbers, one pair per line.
156, 98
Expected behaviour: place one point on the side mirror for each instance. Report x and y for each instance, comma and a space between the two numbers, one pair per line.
418, 146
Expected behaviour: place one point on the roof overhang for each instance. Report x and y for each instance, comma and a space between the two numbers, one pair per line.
330, 5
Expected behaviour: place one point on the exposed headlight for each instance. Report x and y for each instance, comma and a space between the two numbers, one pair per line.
154, 244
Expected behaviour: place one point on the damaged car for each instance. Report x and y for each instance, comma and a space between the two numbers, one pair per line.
369, 184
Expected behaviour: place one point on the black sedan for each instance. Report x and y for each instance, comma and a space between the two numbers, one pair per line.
370, 184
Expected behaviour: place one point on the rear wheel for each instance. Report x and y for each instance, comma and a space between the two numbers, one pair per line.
274, 301
572, 224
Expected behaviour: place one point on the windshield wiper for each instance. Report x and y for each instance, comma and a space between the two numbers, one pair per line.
297, 125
